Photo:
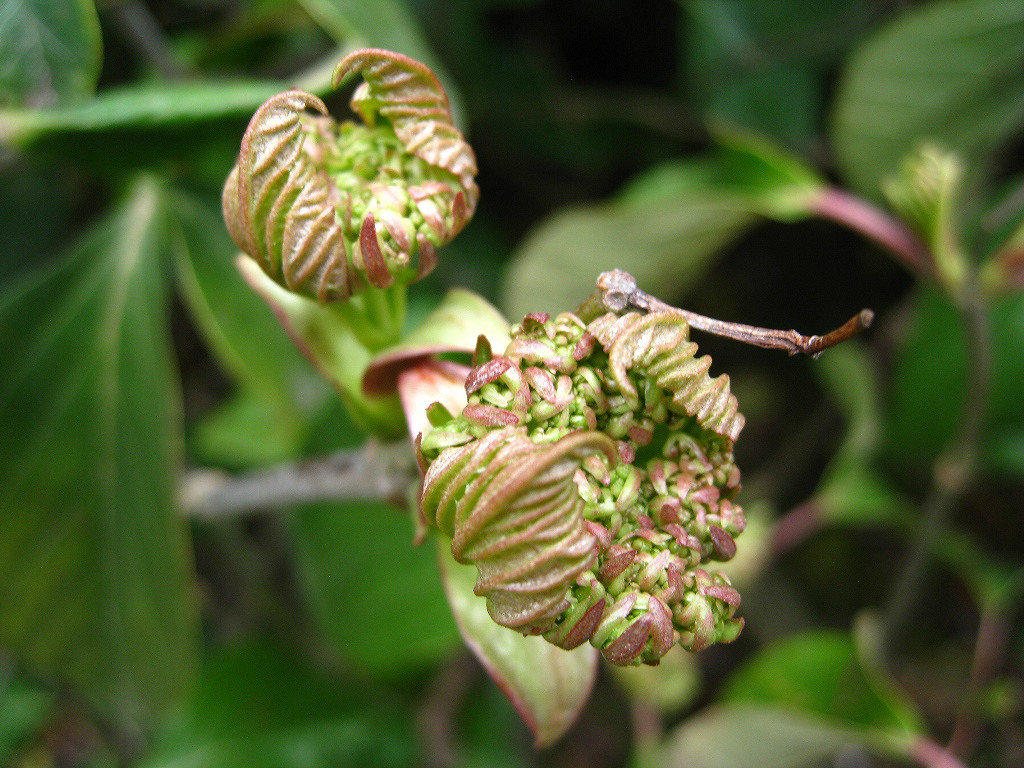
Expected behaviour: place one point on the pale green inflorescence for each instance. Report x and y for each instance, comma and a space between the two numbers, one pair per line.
591, 480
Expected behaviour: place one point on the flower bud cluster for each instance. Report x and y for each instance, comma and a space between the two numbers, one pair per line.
330, 209
656, 507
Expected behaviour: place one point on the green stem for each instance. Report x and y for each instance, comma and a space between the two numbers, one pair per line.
375, 317
955, 468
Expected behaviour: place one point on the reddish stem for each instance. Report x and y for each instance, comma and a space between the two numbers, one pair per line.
928, 754
989, 651
796, 526
875, 224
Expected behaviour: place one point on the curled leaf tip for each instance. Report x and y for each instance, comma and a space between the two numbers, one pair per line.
329, 209
591, 479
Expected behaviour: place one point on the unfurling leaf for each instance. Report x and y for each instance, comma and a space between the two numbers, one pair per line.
547, 686
589, 478
328, 209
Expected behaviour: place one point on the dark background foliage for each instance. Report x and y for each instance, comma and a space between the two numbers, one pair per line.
132, 354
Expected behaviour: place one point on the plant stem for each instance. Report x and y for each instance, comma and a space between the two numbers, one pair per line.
953, 470
796, 526
928, 754
141, 32
989, 651
375, 471
875, 224
438, 711
617, 290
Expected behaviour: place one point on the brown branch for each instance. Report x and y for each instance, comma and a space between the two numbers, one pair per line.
617, 290
375, 471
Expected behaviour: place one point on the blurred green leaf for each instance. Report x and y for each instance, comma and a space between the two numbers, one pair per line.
382, 24
848, 374
930, 380
24, 709
670, 686
762, 64
269, 419
756, 736
248, 430
666, 240
772, 180
35, 214
950, 71
148, 106
820, 673
259, 707
547, 685
240, 328
376, 596
492, 731
325, 334
50, 51
95, 573
851, 491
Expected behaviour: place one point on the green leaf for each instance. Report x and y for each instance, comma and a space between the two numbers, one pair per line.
145, 106
326, 335
95, 572
257, 706
773, 181
820, 674
951, 72
376, 595
547, 685
280, 393
240, 328
848, 374
670, 686
763, 64
24, 709
755, 736
35, 215
851, 491
50, 51
382, 24
452, 327
247, 431
930, 382
666, 240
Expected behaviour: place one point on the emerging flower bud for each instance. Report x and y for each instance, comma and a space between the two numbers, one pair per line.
589, 478
327, 209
